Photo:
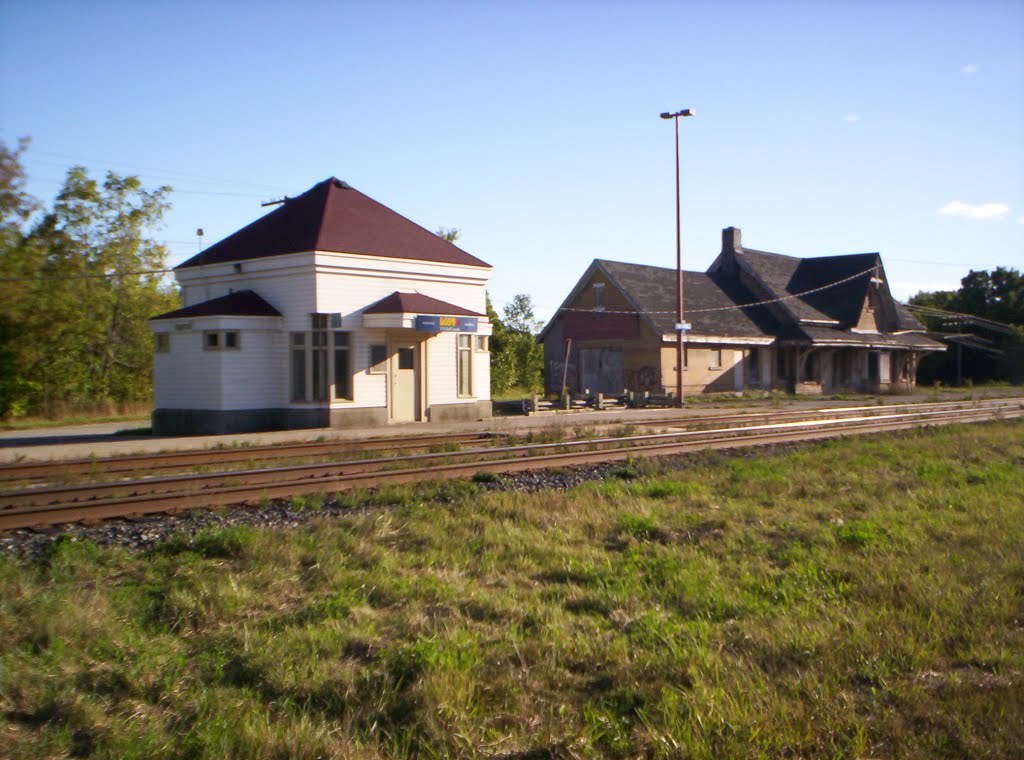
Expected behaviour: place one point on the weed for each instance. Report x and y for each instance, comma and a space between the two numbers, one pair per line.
857, 598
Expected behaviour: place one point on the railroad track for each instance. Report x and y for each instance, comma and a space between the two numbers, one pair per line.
89, 502
250, 457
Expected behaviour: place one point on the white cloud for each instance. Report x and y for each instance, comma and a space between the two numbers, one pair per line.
975, 210
970, 68
852, 117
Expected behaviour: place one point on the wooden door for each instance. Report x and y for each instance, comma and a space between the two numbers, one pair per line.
405, 386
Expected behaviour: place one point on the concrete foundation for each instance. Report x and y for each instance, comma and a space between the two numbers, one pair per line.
468, 412
220, 422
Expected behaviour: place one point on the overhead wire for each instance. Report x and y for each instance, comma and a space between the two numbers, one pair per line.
765, 302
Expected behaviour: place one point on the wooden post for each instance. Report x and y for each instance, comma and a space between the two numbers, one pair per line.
565, 367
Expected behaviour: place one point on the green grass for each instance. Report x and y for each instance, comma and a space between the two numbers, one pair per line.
860, 598
103, 412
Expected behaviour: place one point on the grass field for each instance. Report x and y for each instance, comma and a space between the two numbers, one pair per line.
862, 598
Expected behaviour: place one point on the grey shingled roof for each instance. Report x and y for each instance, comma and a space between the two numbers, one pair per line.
788, 275
653, 290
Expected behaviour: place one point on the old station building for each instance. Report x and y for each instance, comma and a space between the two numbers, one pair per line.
331, 310
757, 321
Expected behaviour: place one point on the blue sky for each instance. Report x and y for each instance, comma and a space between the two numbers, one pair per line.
533, 127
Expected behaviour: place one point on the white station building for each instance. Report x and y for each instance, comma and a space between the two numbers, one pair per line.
330, 311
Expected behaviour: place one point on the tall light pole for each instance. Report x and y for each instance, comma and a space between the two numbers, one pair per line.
681, 326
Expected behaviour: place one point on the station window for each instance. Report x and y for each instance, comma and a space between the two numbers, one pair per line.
715, 358
298, 366
216, 340
465, 349
378, 359
342, 366
162, 343
481, 344
318, 352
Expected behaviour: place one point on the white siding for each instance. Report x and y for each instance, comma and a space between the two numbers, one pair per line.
258, 375
185, 377
368, 390
347, 284
189, 377
442, 373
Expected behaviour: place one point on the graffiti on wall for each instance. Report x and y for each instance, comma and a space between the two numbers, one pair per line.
644, 379
556, 370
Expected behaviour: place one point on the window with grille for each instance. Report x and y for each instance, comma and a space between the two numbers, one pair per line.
298, 366
342, 367
465, 358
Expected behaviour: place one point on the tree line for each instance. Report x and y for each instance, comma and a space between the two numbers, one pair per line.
81, 276
999, 354
79, 279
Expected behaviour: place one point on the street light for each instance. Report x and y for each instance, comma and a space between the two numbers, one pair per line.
681, 326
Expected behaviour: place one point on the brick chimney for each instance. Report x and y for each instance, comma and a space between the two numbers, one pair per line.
732, 239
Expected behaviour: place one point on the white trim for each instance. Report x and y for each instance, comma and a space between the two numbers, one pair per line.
725, 340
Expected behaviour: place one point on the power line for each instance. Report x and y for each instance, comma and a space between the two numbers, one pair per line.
173, 189
741, 306
103, 276
177, 172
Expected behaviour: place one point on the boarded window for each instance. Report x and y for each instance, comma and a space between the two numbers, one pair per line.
715, 358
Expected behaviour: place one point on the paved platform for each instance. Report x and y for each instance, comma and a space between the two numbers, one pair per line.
113, 438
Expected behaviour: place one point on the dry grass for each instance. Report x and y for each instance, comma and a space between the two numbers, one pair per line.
849, 599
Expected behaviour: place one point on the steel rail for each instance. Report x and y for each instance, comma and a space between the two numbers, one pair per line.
177, 501
199, 482
181, 460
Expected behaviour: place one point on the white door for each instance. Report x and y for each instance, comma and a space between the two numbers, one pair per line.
404, 383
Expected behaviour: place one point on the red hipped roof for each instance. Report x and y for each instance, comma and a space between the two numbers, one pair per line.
417, 303
333, 216
241, 303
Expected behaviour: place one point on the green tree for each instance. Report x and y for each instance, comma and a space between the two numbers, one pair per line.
996, 296
517, 360
16, 206
76, 294
451, 234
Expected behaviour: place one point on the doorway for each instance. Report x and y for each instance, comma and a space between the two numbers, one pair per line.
405, 382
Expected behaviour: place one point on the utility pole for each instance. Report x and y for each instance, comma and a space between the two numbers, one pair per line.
681, 326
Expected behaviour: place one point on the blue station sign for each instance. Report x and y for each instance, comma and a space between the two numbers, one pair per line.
434, 323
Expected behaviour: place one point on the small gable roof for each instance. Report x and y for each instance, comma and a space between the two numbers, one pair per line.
333, 216
241, 303
417, 303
